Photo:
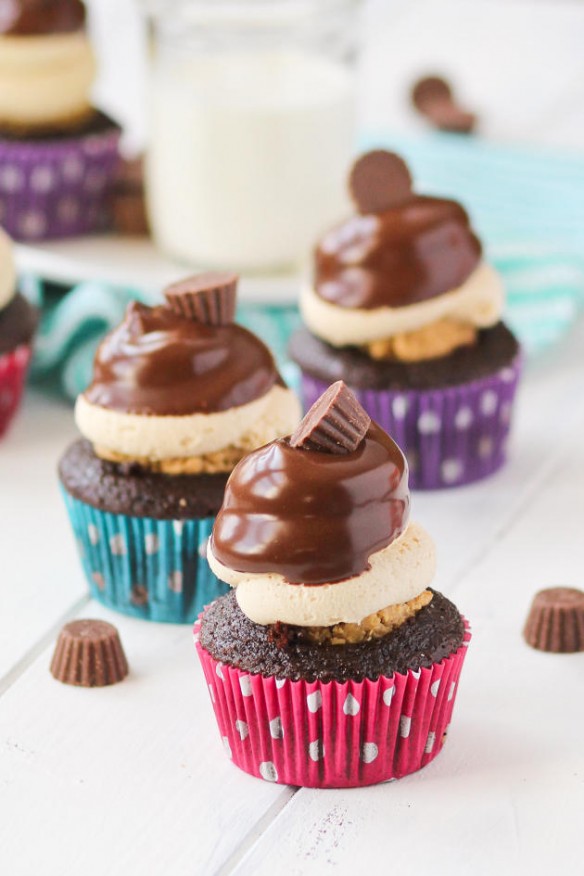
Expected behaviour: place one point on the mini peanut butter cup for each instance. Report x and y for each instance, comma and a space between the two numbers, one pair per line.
89, 654
380, 180
336, 423
556, 621
207, 298
433, 98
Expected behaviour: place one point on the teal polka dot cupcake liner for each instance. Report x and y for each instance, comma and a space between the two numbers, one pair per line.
151, 569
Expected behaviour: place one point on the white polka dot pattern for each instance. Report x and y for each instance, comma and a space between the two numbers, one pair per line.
151, 543
399, 407
316, 750
369, 752
314, 701
117, 545
242, 729
268, 771
331, 734
175, 581
451, 470
463, 418
351, 706
429, 423
245, 685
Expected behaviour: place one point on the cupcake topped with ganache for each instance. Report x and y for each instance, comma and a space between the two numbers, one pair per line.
58, 152
48, 66
403, 301
331, 585
180, 394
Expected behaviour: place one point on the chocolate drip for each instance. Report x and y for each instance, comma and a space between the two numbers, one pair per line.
157, 362
41, 17
410, 253
313, 517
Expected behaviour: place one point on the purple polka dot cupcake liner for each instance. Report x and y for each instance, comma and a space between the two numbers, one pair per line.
151, 569
333, 735
451, 436
57, 188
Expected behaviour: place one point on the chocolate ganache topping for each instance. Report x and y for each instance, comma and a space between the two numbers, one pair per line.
410, 249
313, 517
41, 17
161, 363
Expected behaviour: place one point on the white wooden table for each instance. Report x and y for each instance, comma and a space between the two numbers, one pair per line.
133, 779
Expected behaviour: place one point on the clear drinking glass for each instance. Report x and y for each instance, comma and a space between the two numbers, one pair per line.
252, 106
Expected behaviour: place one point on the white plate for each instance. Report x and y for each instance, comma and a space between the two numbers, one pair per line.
134, 263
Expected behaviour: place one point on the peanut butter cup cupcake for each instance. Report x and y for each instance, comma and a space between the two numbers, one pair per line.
180, 394
405, 309
332, 662
18, 322
58, 154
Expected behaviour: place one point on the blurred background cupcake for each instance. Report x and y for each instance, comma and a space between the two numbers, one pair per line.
18, 322
58, 154
180, 394
332, 663
406, 311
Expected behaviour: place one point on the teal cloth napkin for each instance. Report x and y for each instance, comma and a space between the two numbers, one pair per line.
527, 206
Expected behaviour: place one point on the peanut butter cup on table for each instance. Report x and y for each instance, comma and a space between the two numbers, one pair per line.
406, 310
332, 662
18, 323
58, 153
180, 393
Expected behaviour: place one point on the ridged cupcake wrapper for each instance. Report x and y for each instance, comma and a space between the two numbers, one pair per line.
151, 569
451, 436
51, 189
13, 368
333, 735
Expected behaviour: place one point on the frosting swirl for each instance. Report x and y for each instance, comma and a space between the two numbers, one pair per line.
407, 254
313, 517
159, 363
38, 17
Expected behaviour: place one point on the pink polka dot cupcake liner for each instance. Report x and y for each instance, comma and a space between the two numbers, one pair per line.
13, 369
451, 436
333, 735
57, 188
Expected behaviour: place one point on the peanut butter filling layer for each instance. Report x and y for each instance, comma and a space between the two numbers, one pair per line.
374, 626
219, 462
437, 339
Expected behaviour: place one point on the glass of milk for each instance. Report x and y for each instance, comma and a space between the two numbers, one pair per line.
252, 106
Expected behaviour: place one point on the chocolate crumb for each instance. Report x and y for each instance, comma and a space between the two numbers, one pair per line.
279, 634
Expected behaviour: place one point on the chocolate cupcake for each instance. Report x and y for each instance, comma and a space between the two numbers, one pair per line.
18, 322
332, 663
58, 154
407, 312
180, 394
